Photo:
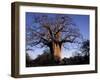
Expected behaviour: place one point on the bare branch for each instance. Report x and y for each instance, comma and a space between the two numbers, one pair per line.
57, 28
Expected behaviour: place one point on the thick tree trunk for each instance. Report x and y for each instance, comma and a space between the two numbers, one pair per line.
55, 49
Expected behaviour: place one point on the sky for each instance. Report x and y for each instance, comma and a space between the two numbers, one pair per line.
82, 21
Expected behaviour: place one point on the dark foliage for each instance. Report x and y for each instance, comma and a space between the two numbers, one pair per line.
85, 48
46, 60
76, 60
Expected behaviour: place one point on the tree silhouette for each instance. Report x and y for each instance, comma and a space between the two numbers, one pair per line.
52, 32
28, 60
85, 47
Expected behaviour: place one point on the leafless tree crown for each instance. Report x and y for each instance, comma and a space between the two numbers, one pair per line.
46, 29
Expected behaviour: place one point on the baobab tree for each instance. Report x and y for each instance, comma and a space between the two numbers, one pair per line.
52, 31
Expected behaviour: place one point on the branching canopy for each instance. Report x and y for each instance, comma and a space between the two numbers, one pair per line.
47, 29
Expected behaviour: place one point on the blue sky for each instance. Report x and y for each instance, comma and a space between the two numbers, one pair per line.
82, 21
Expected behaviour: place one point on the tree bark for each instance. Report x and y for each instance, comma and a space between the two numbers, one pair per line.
55, 49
